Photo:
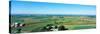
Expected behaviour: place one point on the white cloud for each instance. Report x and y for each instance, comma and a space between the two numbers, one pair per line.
82, 2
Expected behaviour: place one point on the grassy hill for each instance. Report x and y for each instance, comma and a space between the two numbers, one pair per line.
34, 23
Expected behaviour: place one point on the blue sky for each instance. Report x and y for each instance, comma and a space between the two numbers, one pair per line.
22, 7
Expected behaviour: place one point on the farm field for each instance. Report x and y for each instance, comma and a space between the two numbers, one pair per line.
34, 23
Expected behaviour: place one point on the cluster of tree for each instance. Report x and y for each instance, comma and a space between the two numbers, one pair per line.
51, 27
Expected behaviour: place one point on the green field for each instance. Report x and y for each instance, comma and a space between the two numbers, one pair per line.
34, 23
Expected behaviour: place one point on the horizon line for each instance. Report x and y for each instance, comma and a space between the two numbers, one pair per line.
53, 14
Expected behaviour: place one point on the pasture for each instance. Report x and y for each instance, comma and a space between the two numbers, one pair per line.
34, 23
